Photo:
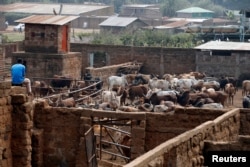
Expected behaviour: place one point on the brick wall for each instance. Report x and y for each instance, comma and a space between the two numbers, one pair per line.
45, 38
156, 60
47, 65
218, 66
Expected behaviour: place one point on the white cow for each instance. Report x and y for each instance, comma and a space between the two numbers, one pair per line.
117, 81
110, 98
173, 83
160, 92
213, 106
159, 84
186, 83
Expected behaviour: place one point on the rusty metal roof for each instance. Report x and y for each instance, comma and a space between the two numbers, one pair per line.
47, 19
223, 45
175, 24
45, 8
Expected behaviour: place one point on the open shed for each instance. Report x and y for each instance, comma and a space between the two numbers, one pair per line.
220, 58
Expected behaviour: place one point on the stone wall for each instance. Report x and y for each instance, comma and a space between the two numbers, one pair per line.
63, 133
186, 149
244, 122
151, 134
241, 144
16, 123
169, 126
5, 125
46, 136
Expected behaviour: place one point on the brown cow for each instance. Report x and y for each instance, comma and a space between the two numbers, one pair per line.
231, 91
41, 89
245, 87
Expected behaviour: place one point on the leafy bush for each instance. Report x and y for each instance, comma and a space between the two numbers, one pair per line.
147, 38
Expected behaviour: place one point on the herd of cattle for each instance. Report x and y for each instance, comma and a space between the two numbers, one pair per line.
143, 92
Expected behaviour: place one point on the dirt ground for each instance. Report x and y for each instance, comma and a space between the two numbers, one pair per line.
237, 100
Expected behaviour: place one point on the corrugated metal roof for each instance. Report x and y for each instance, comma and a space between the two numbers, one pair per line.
196, 20
222, 45
194, 10
118, 21
139, 5
47, 19
176, 24
42, 8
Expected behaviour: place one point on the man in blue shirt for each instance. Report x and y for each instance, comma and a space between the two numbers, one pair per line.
18, 75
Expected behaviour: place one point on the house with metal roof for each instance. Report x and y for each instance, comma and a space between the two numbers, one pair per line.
223, 58
148, 13
47, 47
121, 24
90, 15
47, 33
142, 11
195, 12
174, 27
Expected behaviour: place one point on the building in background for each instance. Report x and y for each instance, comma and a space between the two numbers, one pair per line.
90, 15
195, 12
121, 24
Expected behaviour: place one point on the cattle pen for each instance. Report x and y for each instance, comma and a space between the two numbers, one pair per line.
87, 89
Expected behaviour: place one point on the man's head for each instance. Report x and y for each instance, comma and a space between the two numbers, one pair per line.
19, 60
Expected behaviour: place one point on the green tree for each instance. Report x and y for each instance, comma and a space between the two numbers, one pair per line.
169, 7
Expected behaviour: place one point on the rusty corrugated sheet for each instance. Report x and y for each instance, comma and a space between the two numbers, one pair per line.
222, 45
47, 19
45, 8
175, 24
